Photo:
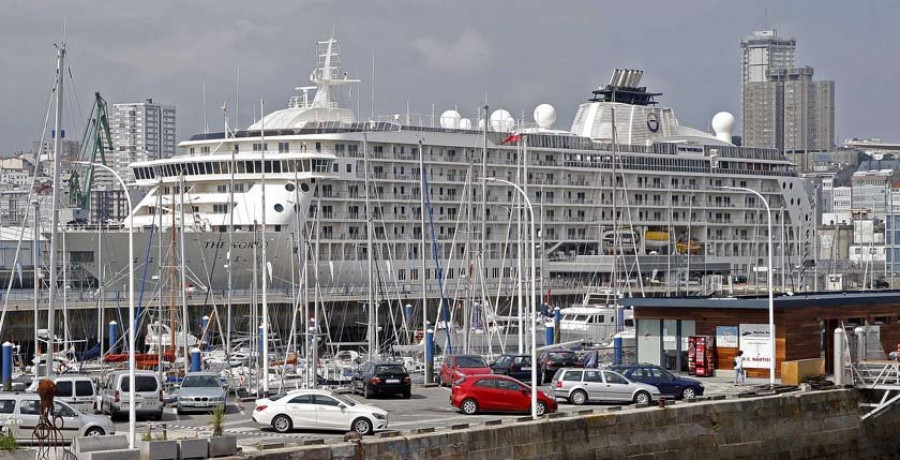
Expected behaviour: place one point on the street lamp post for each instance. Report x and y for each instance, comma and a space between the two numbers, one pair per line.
131, 320
770, 282
532, 297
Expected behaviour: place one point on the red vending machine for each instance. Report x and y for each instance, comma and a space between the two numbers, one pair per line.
703, 360
692, 355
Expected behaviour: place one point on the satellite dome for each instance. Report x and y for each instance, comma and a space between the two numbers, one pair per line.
545, 116
723, 125
501, 120
465, 123
450, 119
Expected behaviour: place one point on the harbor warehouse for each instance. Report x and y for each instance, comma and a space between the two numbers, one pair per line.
804, 327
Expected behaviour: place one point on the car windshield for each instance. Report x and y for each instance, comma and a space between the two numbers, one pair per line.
141, 383
390, 369
200, 381
470, 361
344, 400
559, 356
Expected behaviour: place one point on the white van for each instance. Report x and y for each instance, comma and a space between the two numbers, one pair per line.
148, 397
77, 390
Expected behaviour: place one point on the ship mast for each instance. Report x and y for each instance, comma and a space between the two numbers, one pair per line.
54, 213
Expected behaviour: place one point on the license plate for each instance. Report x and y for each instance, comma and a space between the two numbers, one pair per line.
393, 380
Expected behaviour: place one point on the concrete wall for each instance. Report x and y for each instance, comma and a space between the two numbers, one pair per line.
801, 425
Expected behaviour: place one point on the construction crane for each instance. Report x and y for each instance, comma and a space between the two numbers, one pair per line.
96, 140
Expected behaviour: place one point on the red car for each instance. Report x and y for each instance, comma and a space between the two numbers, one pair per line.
456, 367
497, 393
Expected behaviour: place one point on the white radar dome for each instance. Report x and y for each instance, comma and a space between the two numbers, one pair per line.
450, 119
502, 121
545, 116
723, 125
465, 123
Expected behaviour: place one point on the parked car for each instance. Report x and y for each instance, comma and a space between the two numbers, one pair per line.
200, 391
381, 378
79, 391
456, 367
497, 393
148, 397
320, 410
580, 386
551, 361
515, 366
666, 382
24, 409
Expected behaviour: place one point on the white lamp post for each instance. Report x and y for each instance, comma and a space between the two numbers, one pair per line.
770, 282
532, 297
131, 320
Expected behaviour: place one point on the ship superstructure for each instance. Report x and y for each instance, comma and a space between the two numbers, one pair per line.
673, 219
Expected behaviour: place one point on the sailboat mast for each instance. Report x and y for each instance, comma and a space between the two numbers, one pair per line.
185, 322
265, 268
370, 262
428, 368
36, 262
54, 206
230, 240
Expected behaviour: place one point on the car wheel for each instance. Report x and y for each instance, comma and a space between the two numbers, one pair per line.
158, 416
578, 397
642, 397
407, 394
469, 407
541, 408
95, 431
688, 393
362, 426
282, 423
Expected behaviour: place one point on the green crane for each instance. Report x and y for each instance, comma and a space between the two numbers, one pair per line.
96, 140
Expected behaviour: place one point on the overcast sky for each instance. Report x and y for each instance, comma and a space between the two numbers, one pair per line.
450, 53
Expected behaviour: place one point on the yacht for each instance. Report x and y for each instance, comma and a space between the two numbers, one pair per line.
625, 187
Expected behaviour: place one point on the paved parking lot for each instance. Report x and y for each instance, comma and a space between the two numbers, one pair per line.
428, 407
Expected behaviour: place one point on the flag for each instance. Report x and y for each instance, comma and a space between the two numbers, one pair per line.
514, 137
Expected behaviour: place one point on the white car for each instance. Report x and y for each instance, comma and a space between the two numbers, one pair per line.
318, 409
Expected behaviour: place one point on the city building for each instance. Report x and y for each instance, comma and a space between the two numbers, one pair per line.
841, 199
874, 148
869, 191
142, 131
783, 107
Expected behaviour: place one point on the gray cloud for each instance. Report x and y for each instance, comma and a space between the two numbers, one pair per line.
517, 54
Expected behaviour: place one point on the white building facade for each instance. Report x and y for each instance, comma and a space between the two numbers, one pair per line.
142, 131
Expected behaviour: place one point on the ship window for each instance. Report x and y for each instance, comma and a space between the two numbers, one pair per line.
241, 166
259, 166
289, 187
304, 187
279, 207
349, 168
217, 168
276, 166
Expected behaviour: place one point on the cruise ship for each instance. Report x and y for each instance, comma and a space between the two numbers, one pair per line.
626, 196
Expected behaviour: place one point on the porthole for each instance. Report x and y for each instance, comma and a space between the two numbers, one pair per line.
783, 185
791, 186
304, 187
289, 187
279, 207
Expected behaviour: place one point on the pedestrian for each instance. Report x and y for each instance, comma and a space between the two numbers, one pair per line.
739, 368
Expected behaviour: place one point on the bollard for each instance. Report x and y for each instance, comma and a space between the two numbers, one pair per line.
195, 360
617, 345
838, 357
557, 316
7, 365
407, 310
551, 333
113, 336
204, 323
429, 353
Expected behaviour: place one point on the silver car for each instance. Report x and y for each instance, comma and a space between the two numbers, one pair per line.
19, 413
200, 391
579, 386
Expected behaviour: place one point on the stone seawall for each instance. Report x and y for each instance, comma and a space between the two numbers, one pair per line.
823, 424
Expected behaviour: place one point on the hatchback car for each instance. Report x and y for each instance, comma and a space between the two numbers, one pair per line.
23, 409
551, 361
200, 391
668, 383
148, 394
515, 366
320, 410
381, 378
456, 367
579, 386
497, 393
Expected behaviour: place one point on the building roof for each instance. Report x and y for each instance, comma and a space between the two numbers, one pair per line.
762, 302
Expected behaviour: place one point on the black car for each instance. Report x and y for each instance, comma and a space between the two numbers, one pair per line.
515, 366
668, 383
381, 378
551, 361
